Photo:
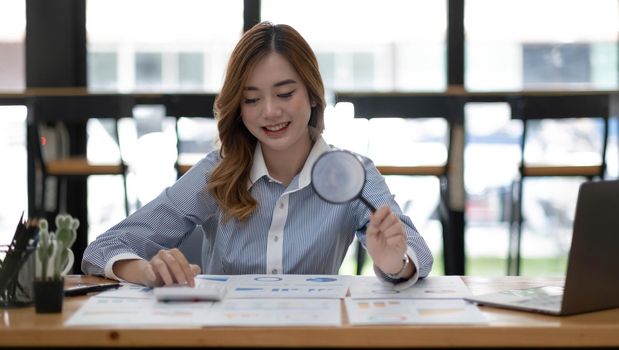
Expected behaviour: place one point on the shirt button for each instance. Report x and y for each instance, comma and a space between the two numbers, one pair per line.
275, 238
281, 205
274, 271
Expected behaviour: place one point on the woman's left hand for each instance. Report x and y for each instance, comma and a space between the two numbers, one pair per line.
386, 240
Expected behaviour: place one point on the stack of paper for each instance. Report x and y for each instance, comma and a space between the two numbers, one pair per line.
433, 300
288, 300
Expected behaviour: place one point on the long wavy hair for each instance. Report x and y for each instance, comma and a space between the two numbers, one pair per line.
229, 180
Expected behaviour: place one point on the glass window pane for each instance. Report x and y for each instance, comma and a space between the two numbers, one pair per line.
326, 62
491, 158
12, 34
102, 70
547, 44
13, 186
555, 63
12, 119
378, 45
399, 142
190, 69
402, 142
564, 141
363, 70
548, 205
196, 137
148, 70
162, 44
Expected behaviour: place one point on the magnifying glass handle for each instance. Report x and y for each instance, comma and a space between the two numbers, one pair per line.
368, 204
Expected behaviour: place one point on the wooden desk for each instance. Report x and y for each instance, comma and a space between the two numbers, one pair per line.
23, 327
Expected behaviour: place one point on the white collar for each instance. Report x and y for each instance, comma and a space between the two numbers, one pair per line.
259, 167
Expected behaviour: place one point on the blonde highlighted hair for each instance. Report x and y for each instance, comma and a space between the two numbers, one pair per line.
229, 181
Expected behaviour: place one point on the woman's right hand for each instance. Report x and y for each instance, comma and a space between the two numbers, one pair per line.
168, 266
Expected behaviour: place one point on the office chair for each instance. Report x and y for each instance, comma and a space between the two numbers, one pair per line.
48, 119
187, 106
377, 105
535, 108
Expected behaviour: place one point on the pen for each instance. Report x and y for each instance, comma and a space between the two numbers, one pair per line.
85, 289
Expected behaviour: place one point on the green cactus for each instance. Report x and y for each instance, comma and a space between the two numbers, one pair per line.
66, 231
42, 251
54, 249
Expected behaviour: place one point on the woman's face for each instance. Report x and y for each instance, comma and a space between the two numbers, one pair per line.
276, 107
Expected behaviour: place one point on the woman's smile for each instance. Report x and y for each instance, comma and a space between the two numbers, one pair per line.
276, 129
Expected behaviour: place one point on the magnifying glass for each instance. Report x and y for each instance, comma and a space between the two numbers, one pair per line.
338, 177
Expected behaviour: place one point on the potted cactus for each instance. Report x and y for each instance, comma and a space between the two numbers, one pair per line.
54, 260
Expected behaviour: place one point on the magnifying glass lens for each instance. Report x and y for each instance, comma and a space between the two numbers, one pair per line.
338, 176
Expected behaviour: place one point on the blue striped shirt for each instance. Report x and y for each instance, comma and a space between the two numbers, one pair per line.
292, 231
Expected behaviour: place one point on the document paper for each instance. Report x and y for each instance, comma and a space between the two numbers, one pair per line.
433, 287
412, 311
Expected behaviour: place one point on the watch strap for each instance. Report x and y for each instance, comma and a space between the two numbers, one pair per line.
405, 261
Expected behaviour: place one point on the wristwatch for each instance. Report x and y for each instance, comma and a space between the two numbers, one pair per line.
398, 275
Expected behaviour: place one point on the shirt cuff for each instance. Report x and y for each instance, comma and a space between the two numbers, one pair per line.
400, 284
109, 272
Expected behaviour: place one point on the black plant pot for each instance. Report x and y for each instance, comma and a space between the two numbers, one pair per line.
48, 296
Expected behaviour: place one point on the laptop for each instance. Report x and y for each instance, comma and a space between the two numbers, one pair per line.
592, 278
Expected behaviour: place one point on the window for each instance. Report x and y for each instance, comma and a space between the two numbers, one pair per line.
12, 34
548, 44
383, 140
161, 44
190, 70
535, 45
12, 119
152, 46
148, 71
491, 156
560, 64
13, 186
389, 45
371, 45
103, 70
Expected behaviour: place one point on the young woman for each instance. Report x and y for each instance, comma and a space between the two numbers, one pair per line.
253, 196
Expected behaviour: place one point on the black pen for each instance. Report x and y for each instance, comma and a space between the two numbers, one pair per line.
83, 289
